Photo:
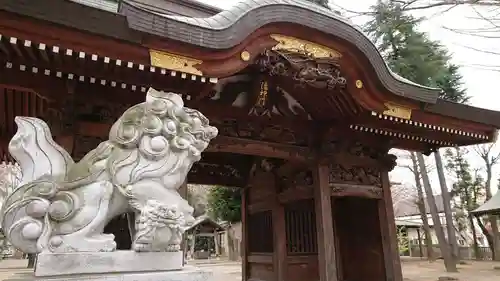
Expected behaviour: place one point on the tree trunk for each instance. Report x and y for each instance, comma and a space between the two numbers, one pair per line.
449, 262
495, 235
420, 249
445, 194
474, 236
231, 244
422, 210
488, 236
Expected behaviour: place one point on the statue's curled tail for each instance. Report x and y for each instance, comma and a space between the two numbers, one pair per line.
62, 206
40, 159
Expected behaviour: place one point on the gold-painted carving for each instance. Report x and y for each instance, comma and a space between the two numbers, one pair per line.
396, 110
263, 93
260, 108
359, 84
174, 62
304, 47
245, 56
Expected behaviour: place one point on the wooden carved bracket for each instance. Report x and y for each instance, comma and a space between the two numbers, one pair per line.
340, 190
303, 68
355, 175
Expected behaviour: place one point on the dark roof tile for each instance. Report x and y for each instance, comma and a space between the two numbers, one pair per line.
408, 206
229, 28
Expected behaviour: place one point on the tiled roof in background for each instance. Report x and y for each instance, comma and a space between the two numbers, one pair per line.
408, 207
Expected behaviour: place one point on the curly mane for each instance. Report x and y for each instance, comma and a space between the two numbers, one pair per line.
154, 138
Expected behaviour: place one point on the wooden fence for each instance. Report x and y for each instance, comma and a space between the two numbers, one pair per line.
467, 253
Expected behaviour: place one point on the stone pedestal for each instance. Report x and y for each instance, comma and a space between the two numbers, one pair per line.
186, 274
43, 215
52, 264
113, 266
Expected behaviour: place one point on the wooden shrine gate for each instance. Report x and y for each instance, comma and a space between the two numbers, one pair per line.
305, 106
301, 220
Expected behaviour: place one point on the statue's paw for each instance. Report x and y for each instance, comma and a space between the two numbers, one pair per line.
80, 243
173, 248
139, 247
105, 236
108, 246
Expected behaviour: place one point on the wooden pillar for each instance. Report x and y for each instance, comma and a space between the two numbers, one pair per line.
388, 231
324, 224
279, 229
63, 119
244, 235
67, 142
193, 243
216, 243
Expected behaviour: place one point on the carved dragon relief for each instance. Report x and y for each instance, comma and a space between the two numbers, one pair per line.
362, 174
373, 190
354, 175
217, 170
303, 68
263, 132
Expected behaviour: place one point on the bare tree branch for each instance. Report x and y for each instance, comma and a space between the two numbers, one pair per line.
408, 5
10, 177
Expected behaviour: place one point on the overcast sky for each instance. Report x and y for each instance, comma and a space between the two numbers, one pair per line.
480, 69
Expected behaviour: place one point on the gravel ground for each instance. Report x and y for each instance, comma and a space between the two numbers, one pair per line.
412, 270
472, 271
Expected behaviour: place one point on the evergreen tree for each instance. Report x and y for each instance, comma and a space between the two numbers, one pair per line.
468, 190
411, 53
323, 3
225, 204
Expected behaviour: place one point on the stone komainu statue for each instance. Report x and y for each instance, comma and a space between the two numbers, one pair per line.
62, 206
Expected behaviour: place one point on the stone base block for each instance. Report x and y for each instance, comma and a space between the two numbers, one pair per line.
186, 274
52, 264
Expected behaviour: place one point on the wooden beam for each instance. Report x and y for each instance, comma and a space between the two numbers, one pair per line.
14, 44
3, 111
296, 193
324, 224
341, 190
259, 148
64, 37
261, 206
49, 87
88, 68
264, 259
223, 144
3, 49
288, 168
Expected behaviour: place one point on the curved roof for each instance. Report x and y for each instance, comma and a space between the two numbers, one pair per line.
230, 27
491, 206
190, 8
202, 219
